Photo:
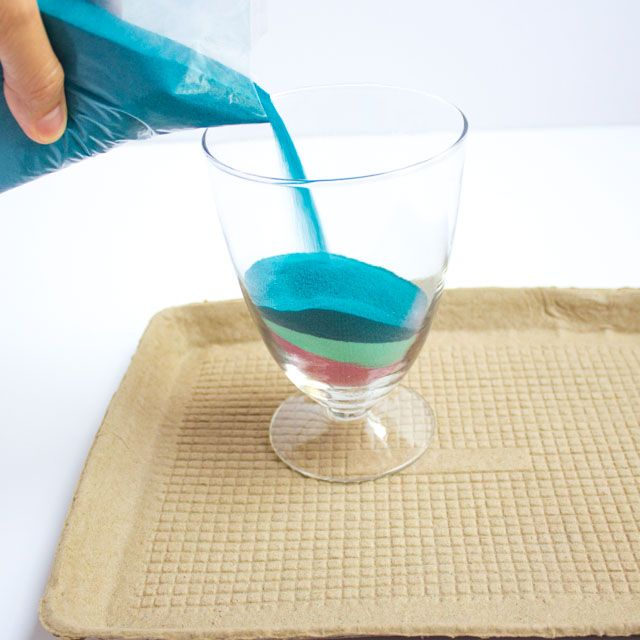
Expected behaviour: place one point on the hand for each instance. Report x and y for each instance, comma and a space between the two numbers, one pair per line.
33, 77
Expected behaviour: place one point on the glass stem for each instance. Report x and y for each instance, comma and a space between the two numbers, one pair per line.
347, 415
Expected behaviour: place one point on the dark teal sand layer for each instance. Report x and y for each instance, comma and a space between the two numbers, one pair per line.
336, 325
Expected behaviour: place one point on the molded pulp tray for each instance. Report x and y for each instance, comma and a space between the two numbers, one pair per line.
523, 518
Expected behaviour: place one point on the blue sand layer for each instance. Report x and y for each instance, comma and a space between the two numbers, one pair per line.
302, 281
336, 325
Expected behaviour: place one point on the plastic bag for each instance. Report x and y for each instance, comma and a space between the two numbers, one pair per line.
125, 82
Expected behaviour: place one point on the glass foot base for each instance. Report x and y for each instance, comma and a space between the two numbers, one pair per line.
392, 435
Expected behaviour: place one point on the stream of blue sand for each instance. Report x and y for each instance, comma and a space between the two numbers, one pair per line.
307, 214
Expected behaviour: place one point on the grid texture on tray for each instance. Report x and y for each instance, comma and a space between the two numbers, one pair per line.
523, 518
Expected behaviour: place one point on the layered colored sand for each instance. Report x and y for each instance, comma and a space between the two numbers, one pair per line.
341, 321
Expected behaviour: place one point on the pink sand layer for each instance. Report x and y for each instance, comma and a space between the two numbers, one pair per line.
332, 371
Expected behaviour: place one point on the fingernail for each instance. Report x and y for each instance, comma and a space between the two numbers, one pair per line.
50, 127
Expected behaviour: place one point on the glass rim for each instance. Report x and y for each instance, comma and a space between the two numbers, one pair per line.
299, 182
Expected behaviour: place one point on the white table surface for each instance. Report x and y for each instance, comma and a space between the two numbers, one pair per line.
89, 254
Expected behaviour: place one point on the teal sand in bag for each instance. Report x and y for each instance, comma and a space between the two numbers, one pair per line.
122, 83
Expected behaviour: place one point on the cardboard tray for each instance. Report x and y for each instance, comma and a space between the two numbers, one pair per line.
523, 519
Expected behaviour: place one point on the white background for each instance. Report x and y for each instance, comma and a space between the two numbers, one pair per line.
550, 197
509, 63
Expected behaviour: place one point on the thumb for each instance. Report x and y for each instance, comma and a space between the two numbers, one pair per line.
33, 77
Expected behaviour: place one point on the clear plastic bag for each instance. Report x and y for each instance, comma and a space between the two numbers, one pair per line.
135, 68
218, 29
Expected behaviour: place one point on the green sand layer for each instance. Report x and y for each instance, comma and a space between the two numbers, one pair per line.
365, 354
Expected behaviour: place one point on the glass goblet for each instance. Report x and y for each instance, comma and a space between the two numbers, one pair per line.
341, 252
